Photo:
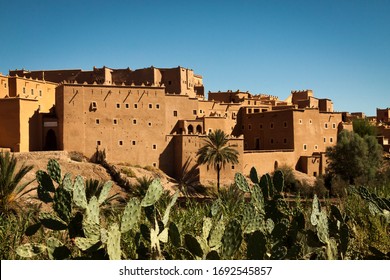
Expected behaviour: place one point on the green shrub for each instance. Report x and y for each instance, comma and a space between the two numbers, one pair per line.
128, 172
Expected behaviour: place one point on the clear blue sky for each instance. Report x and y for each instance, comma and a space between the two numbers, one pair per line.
340, 49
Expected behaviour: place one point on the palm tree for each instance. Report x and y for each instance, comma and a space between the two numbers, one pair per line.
217, 152
188, 180
11, 188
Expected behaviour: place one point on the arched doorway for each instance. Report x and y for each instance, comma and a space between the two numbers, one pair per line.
50, 141
199, 129
190, 129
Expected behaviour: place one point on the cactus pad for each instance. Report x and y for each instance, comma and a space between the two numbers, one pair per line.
114, 242
54, 170
130, 215
30, 250
231, 239
104, 192
241, 182
153, 193
253, 175
79, 196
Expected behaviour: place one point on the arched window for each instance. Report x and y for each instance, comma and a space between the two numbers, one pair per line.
190, 129
199, 129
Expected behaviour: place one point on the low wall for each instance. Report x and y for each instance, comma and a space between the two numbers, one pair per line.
265, 162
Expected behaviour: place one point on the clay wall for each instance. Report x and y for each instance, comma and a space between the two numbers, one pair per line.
3, 86
128, 122
383, 115
272, 130
314, 131
265, 162
9, 124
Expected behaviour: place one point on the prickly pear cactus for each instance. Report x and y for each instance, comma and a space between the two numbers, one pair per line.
216, 234
46, 188
256, 246
231, 239
30, 250
130, 215
264, 186
241, 182
193, 245
114, 242
54, 170
63, 204
278, 181
254, 176
104, 192
153, 193
79, 196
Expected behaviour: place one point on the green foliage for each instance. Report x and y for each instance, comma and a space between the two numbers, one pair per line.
354, 156
253, 221
216, 152
363, 128
11, 188
128, 172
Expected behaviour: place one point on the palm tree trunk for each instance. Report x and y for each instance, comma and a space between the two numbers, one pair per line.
218, 169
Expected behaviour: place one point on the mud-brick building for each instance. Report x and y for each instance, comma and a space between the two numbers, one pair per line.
160, 117
25, 115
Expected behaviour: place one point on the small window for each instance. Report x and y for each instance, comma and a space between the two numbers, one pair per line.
169, 82
134, 121
5, 85
98, 142
310, 121
233, 166
271, 125
261, 126
120, 143
304, 147
40, 92
326, 125
133, 143
135, 105
115, 121
175, 113
285, 140
324, 139
118, 105
150, 105
97, 121
333, 125
272, 141
154, 146
331, 139
32, 91
249, 126
315, 147
300, 121
93, 105
194, 112
285, 124
127, 105
154, 164
157, 106
201, 111
24, 90
149, 124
